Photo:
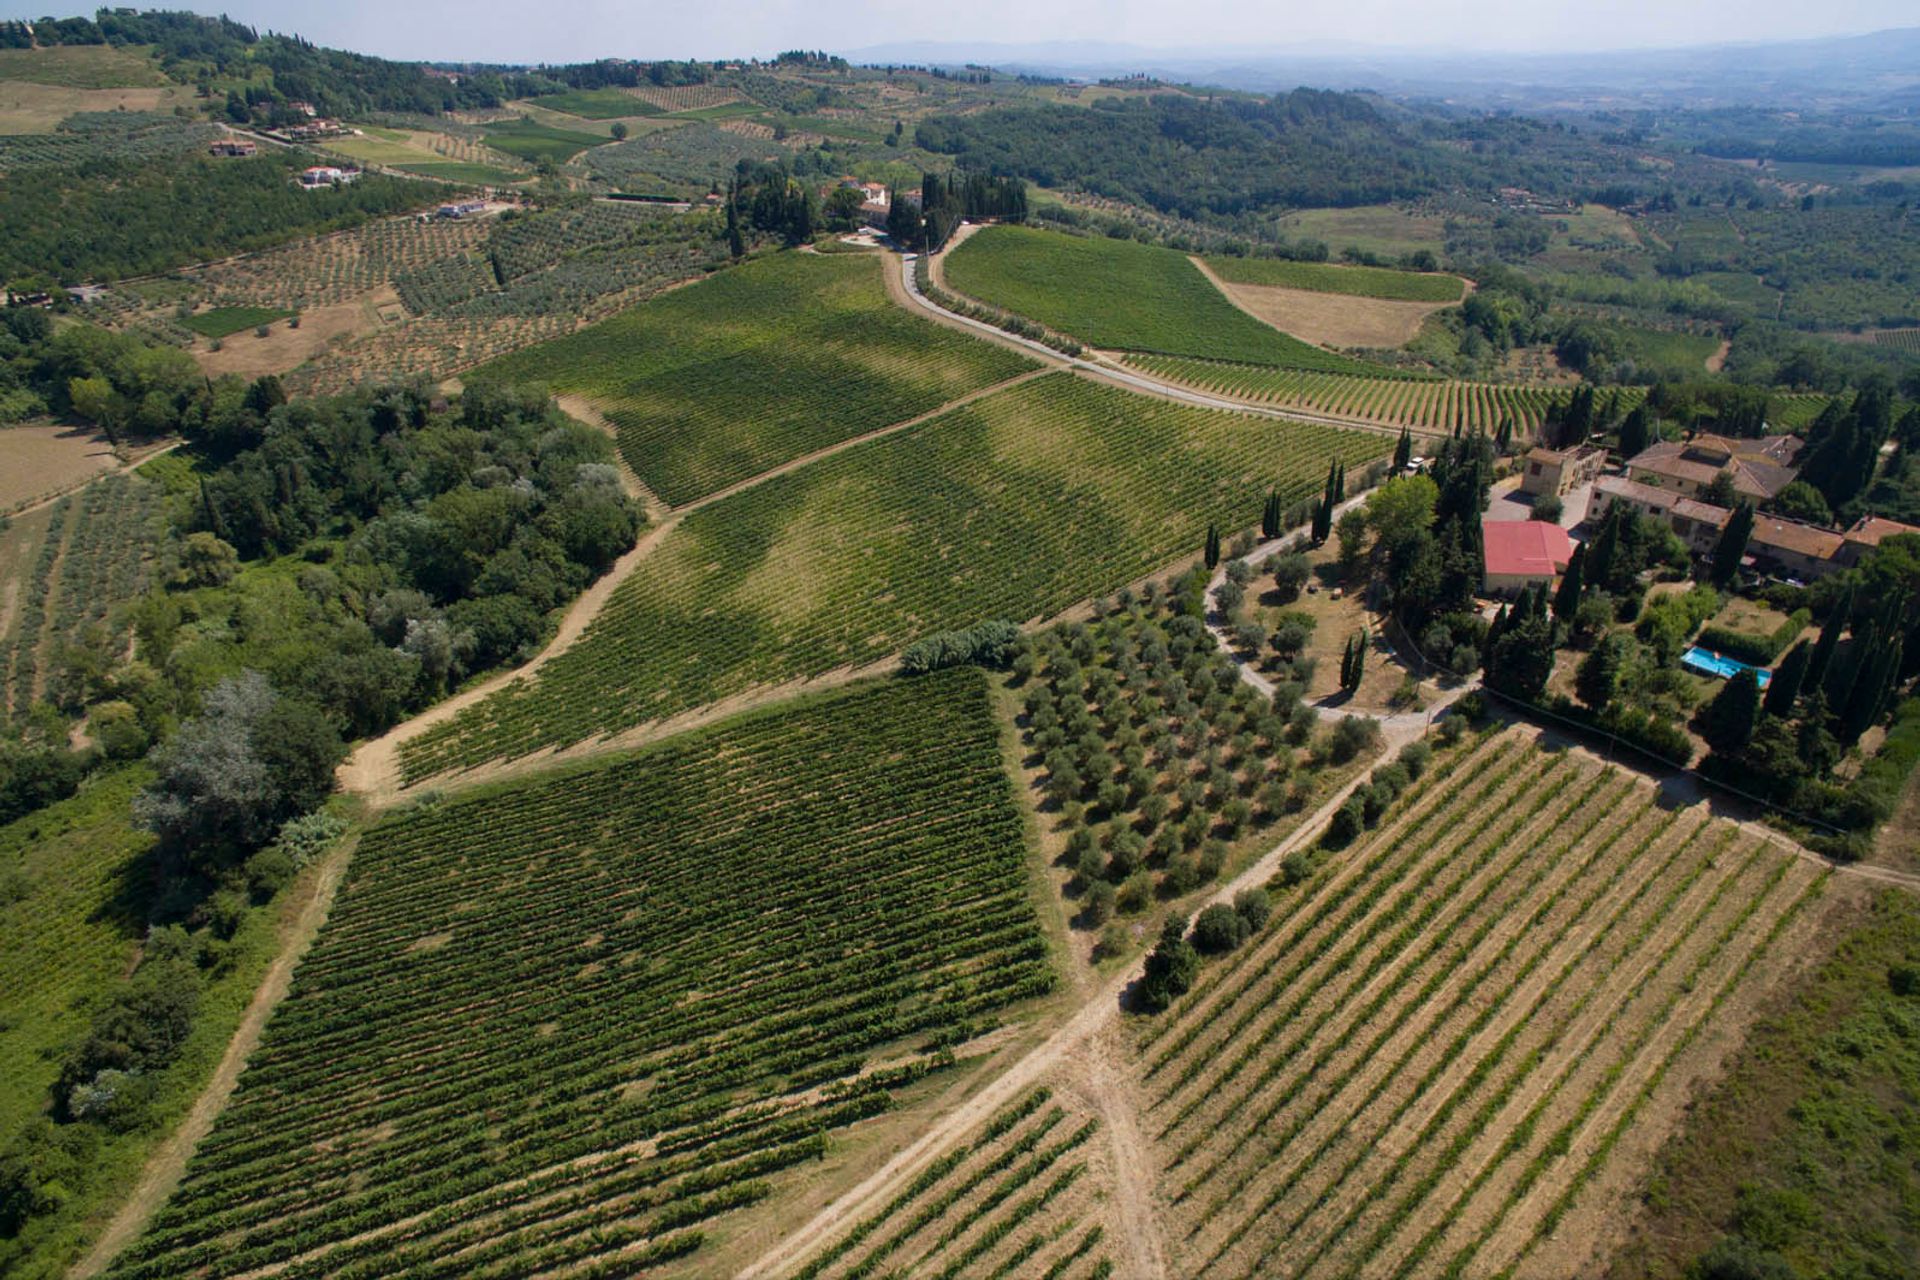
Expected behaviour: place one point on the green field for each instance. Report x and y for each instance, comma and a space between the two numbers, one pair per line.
733, 376
70, 912
1655, 350
1383, 229
86, 66
726, 111
221, 322
1016, 506
1122, 295
461, 171
686, 957
1326, 277
596, 104
535, 142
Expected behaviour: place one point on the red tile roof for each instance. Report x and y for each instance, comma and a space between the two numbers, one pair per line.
1527, 548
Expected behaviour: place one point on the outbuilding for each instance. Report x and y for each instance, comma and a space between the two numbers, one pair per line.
1521, 554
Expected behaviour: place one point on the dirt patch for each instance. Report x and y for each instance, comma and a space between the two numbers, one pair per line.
1329, 319
1718, 360
285, 347
431, 942
41, 460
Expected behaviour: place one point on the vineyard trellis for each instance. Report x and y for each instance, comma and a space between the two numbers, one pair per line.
812, 352
1421, 1067
565, 1024
1017, 505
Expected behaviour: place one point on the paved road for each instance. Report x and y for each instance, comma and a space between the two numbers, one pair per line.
1109, 371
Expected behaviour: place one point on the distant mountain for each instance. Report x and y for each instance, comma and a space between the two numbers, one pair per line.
1882, 68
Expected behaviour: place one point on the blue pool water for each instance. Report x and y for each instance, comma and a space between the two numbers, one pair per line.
1709, 663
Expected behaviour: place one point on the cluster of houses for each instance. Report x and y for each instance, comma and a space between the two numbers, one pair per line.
1670, 482
326, 175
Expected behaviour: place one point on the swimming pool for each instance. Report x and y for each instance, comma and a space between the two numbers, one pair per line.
1709, 663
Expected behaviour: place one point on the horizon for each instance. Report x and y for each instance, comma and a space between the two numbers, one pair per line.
450, 31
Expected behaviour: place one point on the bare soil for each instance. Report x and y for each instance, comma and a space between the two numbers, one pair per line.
286, 348
40, 460
1329, 319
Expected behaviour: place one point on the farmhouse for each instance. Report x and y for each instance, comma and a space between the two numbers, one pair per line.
1521, 554
463, 209
1786, 547
1551, 472
1867, 533
326, 175
1759, 469
232, 147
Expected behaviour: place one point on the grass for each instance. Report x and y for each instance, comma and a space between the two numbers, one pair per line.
535, 142
1123, 295
1383, 229
1662, 349
726, 111
81, 67
1325, 277
1803, 1152
70, 909
69, 937
460, 171
733, 376
596, 104
721, 951
221, 322
1016, 506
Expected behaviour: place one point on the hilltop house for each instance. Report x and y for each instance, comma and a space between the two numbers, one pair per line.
232, 147
1760, 469
1551, 472
1521, 554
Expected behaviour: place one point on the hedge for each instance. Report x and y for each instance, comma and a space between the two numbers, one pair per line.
1759, 651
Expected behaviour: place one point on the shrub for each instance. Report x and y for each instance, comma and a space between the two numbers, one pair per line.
1219, 930
1100, 902
1414, 758
1350, 737
1255, 908
1290, 573
1171, 966
1547, 508
1349, 820
989, 644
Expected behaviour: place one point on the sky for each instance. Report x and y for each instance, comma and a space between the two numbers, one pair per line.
582, 30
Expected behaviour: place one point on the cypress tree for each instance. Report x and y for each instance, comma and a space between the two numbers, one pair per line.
1829, 640
1340, 484
1636, 433
1346, 664
1730, 716
1732, 545
1403, 451
1213, 545
1844, 672
1270, 516
1359, 660
1572, 586
1784, 689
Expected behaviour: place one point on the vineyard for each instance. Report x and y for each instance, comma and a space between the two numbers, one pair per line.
1429, 404
1126, 296
1017, 505
1898, 339
527, 139
1324, 277
1452, 1053
812, 352
95, 557
95, 135
571, 1024
680, 160
685, 97
597, 104
1014, 1199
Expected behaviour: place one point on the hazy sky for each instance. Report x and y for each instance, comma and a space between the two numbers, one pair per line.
577, 30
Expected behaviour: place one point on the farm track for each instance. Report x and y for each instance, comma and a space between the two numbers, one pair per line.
1105, 368
169, 1160
373, 769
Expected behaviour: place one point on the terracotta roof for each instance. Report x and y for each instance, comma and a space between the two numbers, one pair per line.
1758, 466
1646, 495
1528, 548
1788, 535
1704, 512
1872, 530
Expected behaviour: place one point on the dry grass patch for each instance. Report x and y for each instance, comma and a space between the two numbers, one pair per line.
42, 459
1333, 319
285, 347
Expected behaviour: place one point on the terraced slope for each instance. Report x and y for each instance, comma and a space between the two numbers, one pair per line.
1125, 296
562, 1025
1017, 505
1466, 1029
758, 365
